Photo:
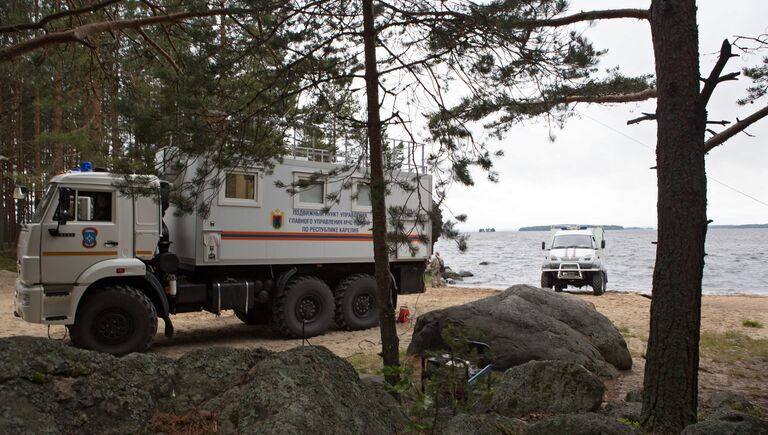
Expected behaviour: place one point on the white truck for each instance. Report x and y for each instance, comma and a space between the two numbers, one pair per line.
575, 257
108, 264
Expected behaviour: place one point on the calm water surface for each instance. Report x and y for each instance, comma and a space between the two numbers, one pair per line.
737, 260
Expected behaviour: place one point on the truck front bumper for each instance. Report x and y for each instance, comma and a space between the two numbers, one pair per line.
570, 270
52, 305
28, 302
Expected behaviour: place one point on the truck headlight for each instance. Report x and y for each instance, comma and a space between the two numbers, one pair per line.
552, 258
588, 258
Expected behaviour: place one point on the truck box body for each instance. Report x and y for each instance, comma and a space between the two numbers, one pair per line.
273, 227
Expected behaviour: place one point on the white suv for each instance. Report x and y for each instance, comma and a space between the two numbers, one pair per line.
575, 257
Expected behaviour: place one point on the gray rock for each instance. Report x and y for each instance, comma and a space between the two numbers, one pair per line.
484, 263
630, 411
634, 396
449, 274
59, 389
526, 323
727, 399
548, 387
580, 424
465, 273
304, 390
480, 424
731, 423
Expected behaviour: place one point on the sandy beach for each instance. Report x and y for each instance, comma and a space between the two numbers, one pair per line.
726, 362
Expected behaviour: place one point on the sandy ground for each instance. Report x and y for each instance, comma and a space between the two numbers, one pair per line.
630, 312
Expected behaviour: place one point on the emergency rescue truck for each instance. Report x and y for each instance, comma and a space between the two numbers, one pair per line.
108, 264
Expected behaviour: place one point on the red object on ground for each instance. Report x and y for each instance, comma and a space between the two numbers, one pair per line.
403, 315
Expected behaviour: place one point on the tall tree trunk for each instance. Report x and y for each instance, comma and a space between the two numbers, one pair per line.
38, 176
389, 340
58, 147
670, 390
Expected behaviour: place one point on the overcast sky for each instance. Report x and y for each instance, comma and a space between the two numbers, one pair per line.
597, 170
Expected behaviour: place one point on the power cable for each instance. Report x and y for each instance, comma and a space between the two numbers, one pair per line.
709, 177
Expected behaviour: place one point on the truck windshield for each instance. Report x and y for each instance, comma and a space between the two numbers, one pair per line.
37, 217
573, 241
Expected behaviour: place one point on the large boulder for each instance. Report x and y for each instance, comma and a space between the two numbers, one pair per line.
49, 387
547, 387
480, 424
730, 423
526, 323
580, 424
303, 390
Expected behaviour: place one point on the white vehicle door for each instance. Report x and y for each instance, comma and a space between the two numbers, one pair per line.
89, 237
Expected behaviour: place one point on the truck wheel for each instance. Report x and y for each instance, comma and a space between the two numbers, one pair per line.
258, 315
547, 281
304, 307
356, 303
598, 283
560, 287
116, 319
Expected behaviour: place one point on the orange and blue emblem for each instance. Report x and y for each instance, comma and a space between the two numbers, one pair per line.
89, 237
277, 219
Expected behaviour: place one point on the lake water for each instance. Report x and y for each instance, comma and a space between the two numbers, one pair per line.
737, 260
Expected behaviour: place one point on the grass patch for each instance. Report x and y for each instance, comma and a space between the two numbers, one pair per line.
629, 422
370, 362
751, 323
732, 346
625, 331
754, 410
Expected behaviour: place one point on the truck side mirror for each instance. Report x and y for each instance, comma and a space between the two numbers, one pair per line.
543, 246
602, 244
65, 202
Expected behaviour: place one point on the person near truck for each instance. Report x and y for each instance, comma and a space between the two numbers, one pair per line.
436, 268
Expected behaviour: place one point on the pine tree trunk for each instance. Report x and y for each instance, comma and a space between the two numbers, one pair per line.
58, 148
670, 391
389, 340
38, 151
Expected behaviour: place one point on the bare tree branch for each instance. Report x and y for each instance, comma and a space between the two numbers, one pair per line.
645, 117
81, 33
714, 76
47, 19
157, 47
736, 128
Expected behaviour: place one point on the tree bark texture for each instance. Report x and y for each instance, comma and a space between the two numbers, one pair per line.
670, 390
389, 339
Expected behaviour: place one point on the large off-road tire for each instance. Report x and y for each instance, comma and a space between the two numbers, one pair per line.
547, 280
117, 319
560, 287
304, 308
599, 281
356, 302
258, 315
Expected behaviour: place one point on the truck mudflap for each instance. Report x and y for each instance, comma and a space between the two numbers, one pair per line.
163, 311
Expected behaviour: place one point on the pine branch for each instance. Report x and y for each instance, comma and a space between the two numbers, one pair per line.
82, 33
733, 130
643, 95
645, 117
47, 19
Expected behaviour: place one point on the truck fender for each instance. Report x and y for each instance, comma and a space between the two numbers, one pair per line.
283, 280
109, 268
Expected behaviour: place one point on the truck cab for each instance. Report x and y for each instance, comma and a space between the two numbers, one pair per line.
84, 239
575, 257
